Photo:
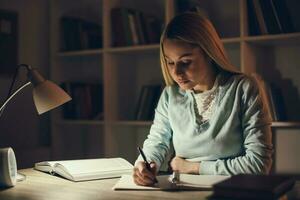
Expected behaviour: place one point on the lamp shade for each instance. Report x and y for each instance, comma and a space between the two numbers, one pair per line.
48, 95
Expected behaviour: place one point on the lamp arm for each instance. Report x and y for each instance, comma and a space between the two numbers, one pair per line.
11, 96
28, 67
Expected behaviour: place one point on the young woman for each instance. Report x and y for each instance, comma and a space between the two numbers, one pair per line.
213, 115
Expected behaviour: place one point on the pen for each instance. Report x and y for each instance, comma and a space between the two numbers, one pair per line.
175, 177
146, 162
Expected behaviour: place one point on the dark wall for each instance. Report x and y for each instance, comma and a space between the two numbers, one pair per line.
20, 126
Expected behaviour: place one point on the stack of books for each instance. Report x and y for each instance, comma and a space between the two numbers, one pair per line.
87, 101
250, 187
147, 102
79, 34
132, 27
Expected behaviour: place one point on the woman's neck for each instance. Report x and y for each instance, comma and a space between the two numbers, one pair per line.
208, 83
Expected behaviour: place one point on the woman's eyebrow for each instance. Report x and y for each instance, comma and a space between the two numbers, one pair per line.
183, 55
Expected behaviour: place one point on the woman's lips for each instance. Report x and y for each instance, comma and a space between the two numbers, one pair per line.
183, 81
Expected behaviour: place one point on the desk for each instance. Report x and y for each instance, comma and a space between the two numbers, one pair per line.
39, 185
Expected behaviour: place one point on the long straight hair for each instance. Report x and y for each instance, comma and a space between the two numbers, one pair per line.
196, 30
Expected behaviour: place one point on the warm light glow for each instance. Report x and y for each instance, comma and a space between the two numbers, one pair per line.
48, 95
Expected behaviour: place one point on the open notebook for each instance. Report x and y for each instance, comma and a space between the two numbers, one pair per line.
86, 169
187, 182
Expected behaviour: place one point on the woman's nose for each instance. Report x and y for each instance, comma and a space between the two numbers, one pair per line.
178, 69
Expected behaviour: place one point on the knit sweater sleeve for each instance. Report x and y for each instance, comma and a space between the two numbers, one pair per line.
157, 144
256, 132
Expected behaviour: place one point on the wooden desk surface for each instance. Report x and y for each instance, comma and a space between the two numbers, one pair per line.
39, 185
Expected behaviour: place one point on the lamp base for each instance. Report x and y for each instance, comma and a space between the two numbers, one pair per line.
8, 167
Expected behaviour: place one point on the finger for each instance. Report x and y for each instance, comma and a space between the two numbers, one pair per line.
174, 166
134, 170
145, 181
141, 175
142, 180
153, 167
172, 163
137, 180
144, 172
141, 166
146, 175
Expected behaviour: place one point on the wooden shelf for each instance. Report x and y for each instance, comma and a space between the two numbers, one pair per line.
80, 122
137, 48
133, 49
285, 125
278, 39
88, 52
234, 40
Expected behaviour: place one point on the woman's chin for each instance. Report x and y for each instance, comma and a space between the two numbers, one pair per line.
185, 86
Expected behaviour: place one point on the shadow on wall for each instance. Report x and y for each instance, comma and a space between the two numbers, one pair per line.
289, 90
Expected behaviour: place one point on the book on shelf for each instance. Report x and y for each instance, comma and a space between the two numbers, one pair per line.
133, 27
187, 182
70, 34
153, 28
190, 6
141, 27
120, 27
282, 14
147, 101
86, 169
277, 102
249, 186
272, 16
269, 15
79, 34
260, 17
254, 26
87, 100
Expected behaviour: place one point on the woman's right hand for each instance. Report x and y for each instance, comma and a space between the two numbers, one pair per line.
142, 176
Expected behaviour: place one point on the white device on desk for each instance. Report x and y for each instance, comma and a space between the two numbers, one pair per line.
8, 167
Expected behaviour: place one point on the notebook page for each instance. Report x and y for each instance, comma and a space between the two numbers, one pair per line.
126, 183
204, 181
187, 182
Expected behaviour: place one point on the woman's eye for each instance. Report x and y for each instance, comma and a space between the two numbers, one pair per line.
170, 63
186, 62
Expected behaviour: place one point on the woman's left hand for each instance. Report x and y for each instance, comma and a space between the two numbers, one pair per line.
183, 166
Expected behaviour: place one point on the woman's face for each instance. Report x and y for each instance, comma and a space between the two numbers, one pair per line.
187, 64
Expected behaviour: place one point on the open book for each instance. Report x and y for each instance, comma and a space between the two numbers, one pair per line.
86, 169
187, 182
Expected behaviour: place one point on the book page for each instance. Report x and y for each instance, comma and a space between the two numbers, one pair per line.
44, 166
187, 182
93, 166
46, 163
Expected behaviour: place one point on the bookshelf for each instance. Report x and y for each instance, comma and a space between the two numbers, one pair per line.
123, 70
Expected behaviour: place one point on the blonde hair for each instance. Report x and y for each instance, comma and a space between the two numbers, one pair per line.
195, 29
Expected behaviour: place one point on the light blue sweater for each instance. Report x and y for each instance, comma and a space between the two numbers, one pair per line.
236, 139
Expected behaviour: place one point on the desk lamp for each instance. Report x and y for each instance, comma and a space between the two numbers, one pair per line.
46, 96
